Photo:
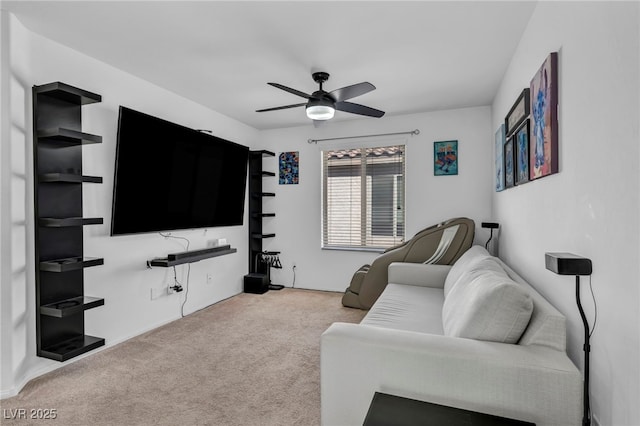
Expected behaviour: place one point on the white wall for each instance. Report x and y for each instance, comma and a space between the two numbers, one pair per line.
592, 206
429, 199
123, 281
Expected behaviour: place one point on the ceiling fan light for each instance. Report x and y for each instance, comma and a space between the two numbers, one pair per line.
320, 112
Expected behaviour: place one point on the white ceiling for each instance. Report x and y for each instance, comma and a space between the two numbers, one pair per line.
421, 55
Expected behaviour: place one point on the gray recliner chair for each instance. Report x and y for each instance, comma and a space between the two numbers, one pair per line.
440, 244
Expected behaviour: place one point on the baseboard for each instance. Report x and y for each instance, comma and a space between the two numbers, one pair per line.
8, 393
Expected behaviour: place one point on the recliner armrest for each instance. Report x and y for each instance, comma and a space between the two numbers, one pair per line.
418, 274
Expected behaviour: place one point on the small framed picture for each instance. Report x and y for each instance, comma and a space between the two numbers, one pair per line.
518, 113
543, 147
289, 166
499, 148
509, 178
522, 153
445, 158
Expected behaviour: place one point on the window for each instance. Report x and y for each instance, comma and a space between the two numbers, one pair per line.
363, 197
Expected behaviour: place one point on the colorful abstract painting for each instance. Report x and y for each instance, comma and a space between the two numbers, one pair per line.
509, 178
543, 142
500, 139
522, 154
445, 158
289, 163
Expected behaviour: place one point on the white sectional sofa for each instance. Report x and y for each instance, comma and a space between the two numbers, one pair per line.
473, 335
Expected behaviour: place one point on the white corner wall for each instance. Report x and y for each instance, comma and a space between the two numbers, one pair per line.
123, 281
592, 206
429, 199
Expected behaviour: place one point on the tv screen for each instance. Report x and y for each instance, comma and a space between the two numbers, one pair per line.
170, 177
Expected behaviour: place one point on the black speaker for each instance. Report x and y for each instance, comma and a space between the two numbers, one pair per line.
256, 283
567, 264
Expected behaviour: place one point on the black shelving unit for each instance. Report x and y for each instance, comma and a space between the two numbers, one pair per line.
60, 261
258, 279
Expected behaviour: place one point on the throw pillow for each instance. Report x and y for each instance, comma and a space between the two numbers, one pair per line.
476, 258
490, 307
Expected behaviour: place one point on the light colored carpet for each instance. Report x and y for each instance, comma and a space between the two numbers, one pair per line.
248, 360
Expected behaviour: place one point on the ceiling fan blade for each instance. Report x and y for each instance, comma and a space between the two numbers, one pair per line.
290, 90
358, 109
352, 91
280, 107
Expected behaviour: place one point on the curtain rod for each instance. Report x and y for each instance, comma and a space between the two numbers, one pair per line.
412, 132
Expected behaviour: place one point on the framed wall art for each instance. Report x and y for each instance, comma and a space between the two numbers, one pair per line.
518, 113
445, 158
289, 166
499, 155
509, 176
543, 140
522, 153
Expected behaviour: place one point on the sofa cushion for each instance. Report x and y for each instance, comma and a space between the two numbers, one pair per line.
408, 307
491, 306
466, 261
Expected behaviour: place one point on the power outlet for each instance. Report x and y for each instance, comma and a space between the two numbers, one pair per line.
209, 278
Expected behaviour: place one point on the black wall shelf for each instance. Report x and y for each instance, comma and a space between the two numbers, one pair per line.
59, 249
67, 137
70, 306
70, 264
258, 215
262, 236
191, 256
68, 178
65, 222
71, 347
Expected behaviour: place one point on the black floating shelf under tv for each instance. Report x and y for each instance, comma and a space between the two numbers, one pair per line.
72, 347
51, 222
191, 256
68, 178
70, 264
69, 93
67, 137
74, 305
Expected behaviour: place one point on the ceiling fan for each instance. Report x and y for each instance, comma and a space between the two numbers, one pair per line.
321, 105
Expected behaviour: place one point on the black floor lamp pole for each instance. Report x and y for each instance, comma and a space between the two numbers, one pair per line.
570, 264
586, 415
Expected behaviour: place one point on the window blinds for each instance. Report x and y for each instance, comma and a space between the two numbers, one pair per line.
363, 197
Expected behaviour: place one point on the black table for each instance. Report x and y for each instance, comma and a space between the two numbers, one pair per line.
391, 410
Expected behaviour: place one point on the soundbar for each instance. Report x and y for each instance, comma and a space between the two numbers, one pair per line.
196, 253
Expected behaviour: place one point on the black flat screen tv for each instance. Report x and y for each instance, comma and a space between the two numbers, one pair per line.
170, 177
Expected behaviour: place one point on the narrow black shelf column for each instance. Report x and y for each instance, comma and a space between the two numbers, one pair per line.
59, 250
257, 281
